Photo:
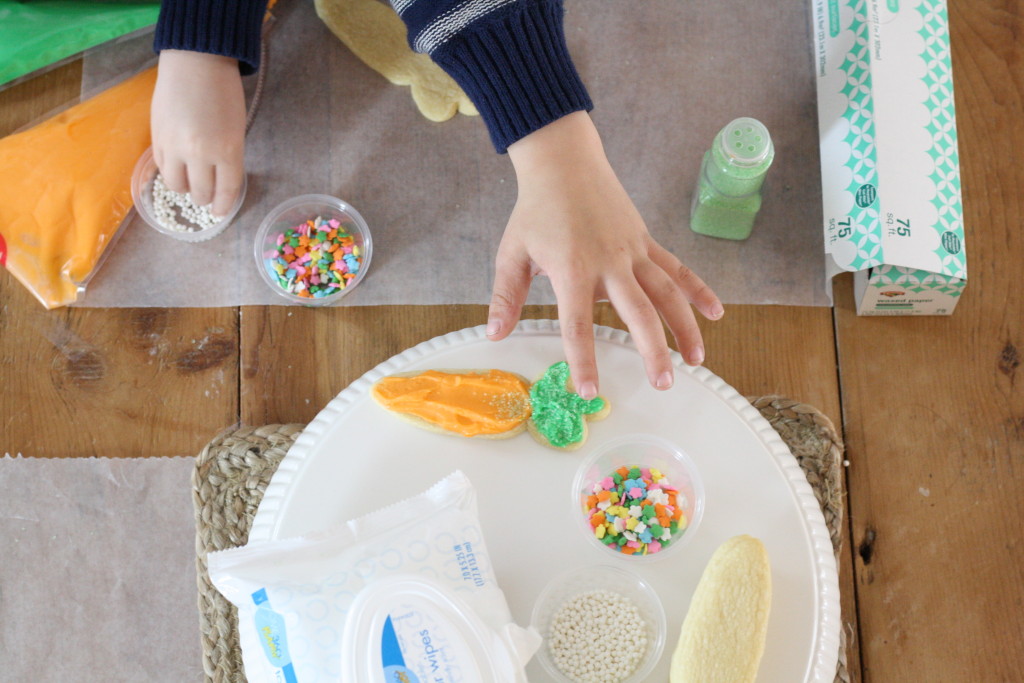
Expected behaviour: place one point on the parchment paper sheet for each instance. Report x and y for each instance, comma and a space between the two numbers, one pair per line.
665, 76
97, 571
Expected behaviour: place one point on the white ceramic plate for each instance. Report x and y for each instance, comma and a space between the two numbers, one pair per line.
355, 457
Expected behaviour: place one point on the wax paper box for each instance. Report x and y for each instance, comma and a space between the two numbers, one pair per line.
890, 170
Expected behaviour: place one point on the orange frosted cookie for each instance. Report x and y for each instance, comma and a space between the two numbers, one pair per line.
490, 404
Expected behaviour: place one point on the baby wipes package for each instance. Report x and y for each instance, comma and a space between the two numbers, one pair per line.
406, 593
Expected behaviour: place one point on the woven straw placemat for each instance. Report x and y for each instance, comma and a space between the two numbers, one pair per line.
233, 471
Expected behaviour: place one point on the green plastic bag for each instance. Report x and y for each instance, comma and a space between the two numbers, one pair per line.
37, 34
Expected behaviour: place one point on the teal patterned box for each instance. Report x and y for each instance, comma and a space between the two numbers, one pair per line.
890, 169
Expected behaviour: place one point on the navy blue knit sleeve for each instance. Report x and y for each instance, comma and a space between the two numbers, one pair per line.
509, 56
222, 27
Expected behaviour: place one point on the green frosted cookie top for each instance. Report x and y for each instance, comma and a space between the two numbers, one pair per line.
558, 414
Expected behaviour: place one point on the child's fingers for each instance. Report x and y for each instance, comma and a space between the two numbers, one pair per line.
201, 177
228, 185
696, 291
637, 310
576, 319
511, 285
175, 176
674, 307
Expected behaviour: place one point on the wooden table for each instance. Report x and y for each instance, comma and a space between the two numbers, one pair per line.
932, 415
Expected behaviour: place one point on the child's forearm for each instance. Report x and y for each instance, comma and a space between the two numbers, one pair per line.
570, 141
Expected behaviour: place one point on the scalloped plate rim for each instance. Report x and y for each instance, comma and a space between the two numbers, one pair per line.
826, 651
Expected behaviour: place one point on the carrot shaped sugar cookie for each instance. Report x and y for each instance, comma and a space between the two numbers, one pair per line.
490, 404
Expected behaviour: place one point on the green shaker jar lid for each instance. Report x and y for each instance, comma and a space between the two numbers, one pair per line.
745, 142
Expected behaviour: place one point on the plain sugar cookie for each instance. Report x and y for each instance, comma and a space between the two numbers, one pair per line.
376, 35
723, 636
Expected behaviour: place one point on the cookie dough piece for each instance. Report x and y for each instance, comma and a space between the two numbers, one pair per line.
560, 415
490, 404
723, 636
376, 34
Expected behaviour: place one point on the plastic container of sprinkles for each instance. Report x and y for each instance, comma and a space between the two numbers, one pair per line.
313, 249
167, 214
638, 497
630, 626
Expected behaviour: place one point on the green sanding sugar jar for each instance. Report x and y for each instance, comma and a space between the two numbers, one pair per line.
728, 194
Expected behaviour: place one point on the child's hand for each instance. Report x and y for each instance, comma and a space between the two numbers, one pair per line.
574, 222
198, 126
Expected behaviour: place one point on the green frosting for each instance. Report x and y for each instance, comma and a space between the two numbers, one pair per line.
558, 414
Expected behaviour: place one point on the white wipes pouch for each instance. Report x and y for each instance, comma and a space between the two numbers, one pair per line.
406, 593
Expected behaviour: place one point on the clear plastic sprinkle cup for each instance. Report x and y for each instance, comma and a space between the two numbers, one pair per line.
334, 214
142, 195
580, 581
644, 452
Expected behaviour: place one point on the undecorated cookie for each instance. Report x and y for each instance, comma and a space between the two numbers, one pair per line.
723, 636
376, 35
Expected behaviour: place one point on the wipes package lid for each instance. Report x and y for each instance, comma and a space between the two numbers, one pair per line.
406, 593
408, 628
890, 170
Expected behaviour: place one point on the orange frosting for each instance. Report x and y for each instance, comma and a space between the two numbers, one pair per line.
469, 403
65, 187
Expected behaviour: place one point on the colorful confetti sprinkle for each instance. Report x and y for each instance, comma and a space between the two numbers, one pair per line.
635, 510
315, 259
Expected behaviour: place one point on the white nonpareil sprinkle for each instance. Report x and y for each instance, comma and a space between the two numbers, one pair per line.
169, 206
597, 637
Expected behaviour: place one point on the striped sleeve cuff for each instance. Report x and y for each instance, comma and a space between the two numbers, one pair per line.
511, 60
231, 28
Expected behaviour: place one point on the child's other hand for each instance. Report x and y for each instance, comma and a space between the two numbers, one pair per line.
198, 126
574, 222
